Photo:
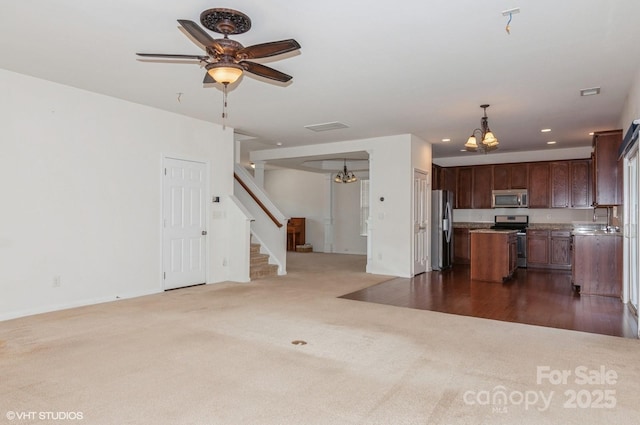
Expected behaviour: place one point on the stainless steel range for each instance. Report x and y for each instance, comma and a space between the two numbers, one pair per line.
519, 223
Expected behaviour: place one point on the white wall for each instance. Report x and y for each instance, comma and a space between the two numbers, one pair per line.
346, 218
631, 109
391, 177
81, 189
300, 194
317, 198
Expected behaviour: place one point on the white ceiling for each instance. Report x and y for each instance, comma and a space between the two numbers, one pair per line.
382, 68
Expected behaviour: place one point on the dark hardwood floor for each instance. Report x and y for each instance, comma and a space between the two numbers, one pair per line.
535, 297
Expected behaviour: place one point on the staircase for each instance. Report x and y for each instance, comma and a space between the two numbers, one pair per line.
259, 264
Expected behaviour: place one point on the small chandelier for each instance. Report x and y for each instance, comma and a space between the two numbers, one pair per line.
345, 176
489, 141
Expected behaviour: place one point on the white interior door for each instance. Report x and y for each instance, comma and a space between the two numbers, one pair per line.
184, 250
420, 221
632, 231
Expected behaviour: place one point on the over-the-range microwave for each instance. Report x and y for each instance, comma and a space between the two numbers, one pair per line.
513, 198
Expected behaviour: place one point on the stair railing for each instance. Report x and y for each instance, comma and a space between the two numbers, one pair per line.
269, 225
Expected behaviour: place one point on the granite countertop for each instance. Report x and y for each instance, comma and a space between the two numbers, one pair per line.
471, 225
594, 232
586, 229
550, 226
506, 231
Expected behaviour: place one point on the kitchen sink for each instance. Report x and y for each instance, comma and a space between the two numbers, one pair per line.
592, 231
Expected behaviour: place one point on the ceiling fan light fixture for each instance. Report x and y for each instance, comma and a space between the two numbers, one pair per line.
227, 73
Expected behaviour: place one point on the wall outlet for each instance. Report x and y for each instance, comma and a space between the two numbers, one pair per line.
56, 282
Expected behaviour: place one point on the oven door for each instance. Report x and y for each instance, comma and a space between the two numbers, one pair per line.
522, 249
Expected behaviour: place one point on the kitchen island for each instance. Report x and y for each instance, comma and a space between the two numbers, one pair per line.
494, 254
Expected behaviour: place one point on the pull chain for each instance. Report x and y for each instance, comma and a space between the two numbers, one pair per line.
224, 105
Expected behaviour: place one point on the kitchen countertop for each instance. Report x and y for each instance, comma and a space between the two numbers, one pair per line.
575, 229
582, 232
471, 225
506, 231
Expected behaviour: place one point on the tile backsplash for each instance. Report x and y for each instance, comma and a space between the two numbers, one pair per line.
536, 215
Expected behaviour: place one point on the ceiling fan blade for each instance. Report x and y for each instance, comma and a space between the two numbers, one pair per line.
268, 49
198, 33
208, 79
163, 55
264, 71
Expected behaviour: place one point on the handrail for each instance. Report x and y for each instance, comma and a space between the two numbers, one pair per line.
255, 198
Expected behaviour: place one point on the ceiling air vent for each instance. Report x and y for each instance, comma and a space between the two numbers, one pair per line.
590, 92
326, 126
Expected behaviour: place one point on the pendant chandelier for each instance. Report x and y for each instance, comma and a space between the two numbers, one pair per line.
345, 176
488, 143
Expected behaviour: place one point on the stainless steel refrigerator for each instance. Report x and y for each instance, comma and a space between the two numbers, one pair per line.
441, 229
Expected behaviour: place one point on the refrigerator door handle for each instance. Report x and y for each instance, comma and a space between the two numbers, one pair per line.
448, 220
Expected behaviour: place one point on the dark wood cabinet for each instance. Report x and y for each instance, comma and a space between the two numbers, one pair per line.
464, 187
461, 246
482, 185
571, 184
560, 249
519, 176
295, 232
580, 184
560, 184
510, 176
436, 177
539, 185
493, 255
444, 178
607, 170
549, 249
597, 267
538, 248
550, 184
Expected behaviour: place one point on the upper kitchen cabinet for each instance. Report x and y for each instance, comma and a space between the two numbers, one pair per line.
580, 189
510, 176
443, 178
464, 187
482, 185
607, 170
560, 184
539, 185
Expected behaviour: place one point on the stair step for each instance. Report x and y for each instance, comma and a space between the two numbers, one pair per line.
259, 259
259, 266
266, 270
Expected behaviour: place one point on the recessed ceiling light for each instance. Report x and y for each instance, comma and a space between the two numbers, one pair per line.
545, 130
279, 144
590, 92
591, 134
446, 140
553, 142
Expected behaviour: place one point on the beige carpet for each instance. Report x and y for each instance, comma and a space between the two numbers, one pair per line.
222, 354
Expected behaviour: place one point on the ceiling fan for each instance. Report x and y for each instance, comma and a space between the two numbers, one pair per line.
226, 59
